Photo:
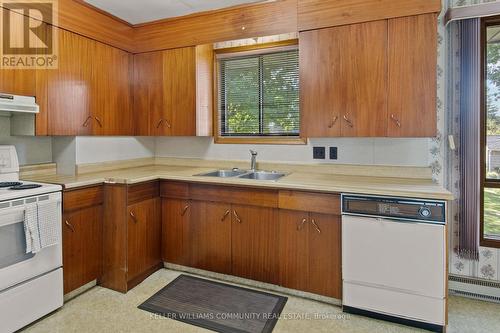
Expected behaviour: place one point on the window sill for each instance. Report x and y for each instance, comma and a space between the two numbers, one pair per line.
261, 140
490, 242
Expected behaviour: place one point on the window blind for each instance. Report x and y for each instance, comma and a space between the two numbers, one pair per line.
259, 94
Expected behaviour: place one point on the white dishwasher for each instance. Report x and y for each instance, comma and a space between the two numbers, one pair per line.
394, 259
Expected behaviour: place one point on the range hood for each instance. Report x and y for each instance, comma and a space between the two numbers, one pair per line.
15, 103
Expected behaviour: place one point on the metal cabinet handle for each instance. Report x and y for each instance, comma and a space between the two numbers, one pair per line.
333, 122
69, 226
225, 215
98, 121
396, 120
86, 123
168, 124
159, 123
300, 226
348, 121
133, 217
316, 226
184, 210
237, 217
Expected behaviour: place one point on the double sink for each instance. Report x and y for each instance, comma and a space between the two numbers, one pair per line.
243, 174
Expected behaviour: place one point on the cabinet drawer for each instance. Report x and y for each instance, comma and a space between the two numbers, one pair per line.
310, 202
82, 198
178, 190
235, 195
142, 191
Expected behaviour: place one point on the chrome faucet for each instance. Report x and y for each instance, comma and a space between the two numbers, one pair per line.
253, 161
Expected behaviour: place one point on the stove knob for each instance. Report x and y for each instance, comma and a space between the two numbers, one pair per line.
425, 212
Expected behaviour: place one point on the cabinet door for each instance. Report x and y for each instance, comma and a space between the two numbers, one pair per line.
111, 90
148, 93
294, 249
179, 92
176, 215
255, 243
69, 87
143, 237
325, 271
344, 81
210, 236
412, 76
82, 247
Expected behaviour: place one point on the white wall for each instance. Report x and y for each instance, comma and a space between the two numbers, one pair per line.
30, 150
103, 149
405, 152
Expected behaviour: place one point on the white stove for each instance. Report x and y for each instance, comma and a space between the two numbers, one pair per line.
31, 277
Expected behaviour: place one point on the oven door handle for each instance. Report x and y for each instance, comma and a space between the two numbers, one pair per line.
13, 216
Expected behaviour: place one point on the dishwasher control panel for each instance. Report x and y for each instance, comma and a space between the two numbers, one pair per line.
418, 210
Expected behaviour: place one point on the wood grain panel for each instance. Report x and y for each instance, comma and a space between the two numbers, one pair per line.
316, 14
412, 76
344, 81
115, 238
82, 247
226, 24
143, 191
325, 256
255, 243
148, 92
293, 249
210, 236
235, 195
310, 202
172, 189
179, 92
83, 198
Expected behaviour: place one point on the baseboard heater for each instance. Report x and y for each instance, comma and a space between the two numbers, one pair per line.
484, 290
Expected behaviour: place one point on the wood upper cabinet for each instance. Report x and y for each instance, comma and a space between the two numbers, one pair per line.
255, 243
210, 236
90, 92
144, 237
343, 80
310, 252
111, 102
176, 218
412, 76
173, 92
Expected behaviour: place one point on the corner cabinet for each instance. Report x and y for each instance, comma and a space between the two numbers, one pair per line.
173, 92
131, 234
370, 79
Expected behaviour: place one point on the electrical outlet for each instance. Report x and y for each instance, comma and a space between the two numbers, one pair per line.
319, 153
333, 153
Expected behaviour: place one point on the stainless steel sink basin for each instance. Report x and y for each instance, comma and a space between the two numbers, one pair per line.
224, 173
263, 175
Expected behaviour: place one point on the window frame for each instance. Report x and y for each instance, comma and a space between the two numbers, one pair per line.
484, 182
254, 139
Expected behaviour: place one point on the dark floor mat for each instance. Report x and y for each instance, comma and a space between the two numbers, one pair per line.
216, 306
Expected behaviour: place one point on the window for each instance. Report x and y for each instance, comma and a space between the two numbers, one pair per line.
491, 134
258, 95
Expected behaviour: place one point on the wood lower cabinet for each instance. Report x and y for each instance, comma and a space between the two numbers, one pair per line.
210, 236
82, 237
254, 243
310, 252
176, 220
132, 234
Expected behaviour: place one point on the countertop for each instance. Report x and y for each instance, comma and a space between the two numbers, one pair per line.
310, 181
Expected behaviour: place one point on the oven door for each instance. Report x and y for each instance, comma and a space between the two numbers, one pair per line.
16, 266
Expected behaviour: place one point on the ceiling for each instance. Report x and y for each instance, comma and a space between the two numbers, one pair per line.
136, 12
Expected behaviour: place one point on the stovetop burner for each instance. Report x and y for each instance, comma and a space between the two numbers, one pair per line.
25, 187
9, 184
